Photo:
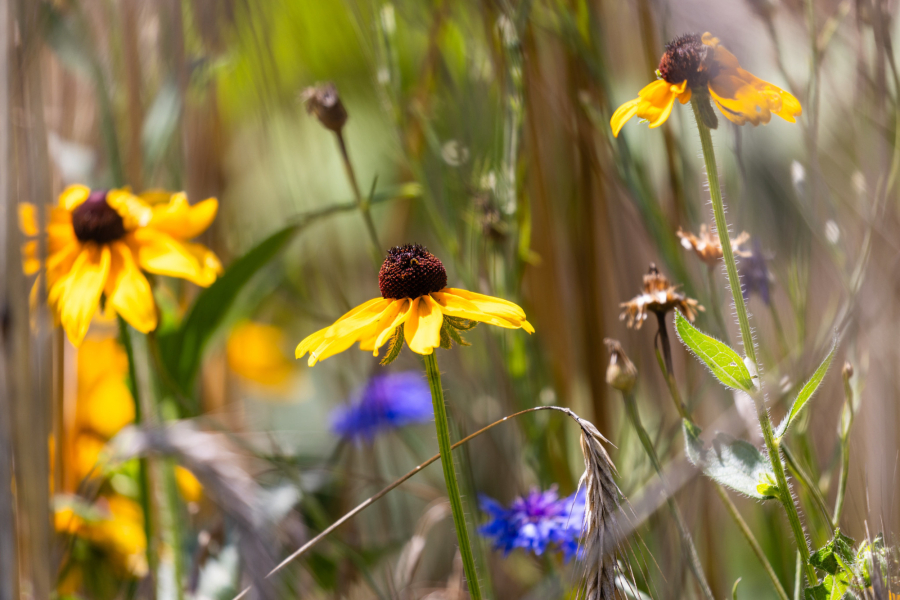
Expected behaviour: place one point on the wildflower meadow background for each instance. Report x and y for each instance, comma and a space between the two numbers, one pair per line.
265, 262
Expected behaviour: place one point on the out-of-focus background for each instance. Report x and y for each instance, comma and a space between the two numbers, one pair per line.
481, 130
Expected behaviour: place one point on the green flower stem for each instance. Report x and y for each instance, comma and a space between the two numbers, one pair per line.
751, 539
734, 282
443, 434
361, 202
804, 478
846, 421
686, 539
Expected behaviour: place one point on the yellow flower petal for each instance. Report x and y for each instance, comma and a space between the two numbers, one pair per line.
59, 230
210, 267
159, 253
423, 329
28, 219
355, 325
402, 310
623, 114
72, 196
485, 311
108, 408
77, 295
31, 264
128, 291
191, 489
181, 220
134, 212
60, 262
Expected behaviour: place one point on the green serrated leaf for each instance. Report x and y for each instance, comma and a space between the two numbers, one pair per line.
454, 335
807, 392
833, 587
460, 324
734, 463
724, 363
837, 555
446, 342
396, 345
182, 349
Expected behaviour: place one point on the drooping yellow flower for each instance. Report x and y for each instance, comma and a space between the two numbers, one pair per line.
415, 296
100, 242
254, 352
693, 64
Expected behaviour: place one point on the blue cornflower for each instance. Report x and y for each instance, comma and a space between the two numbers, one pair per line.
385, 402
535, 522
755, 276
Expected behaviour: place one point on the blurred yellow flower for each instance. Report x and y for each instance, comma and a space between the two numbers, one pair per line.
99, 242
254, 351
190, 487
694, 64
415, 297
104, 404
119, 530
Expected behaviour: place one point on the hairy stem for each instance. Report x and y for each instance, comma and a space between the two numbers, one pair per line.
751, 539
686, 539
734, 282
807, 482
442, 426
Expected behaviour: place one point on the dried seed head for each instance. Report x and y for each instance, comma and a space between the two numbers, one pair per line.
687, 58
707, 246
621, 372
94, 220
659, 297
323, 101
411, 271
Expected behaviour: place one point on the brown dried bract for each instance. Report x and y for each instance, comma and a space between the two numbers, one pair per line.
707, 247
660, 297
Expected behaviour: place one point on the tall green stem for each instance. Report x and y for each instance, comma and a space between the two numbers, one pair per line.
686, 539
734, 282
443, 434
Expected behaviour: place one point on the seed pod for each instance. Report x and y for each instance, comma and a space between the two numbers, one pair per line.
621, 372
323, 101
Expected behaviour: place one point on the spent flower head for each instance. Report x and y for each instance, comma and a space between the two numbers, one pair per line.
695, 65
323, 101
384, 403
659, 296
416, 306
707, 246
537, 522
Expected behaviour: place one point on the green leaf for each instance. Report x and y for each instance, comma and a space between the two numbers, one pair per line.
182, 349
726, 364
734, 463
734, 589
396, 345
446, 342
833, 587
836, 556
807, 392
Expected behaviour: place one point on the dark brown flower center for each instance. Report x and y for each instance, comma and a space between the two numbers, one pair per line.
411, 271
687, 58
94, 220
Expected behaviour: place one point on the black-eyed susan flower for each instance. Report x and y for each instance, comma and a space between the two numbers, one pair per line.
415, 303
660, 297
694, 64
707, 246
101, 241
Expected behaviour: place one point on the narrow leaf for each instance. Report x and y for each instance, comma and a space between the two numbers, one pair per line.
724, 363
182, 349
807, 392
734, 463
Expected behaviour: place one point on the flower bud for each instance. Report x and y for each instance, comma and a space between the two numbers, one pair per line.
323, 101
847, 371
621, 372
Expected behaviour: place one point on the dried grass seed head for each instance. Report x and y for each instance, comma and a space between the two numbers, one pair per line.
660, 297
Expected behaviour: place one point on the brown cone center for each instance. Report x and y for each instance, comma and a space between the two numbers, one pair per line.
411, 271
94, 220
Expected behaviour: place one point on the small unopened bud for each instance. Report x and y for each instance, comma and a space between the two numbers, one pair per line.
323, 101
847, 371
621, 372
